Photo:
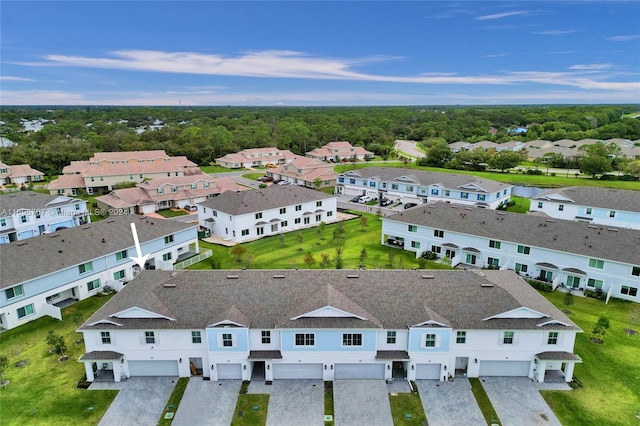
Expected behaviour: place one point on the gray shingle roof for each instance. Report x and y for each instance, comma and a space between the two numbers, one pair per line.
395, 298
101, 356
271, 197
607, 198
45, 254
603, 242
425, 178
31, 201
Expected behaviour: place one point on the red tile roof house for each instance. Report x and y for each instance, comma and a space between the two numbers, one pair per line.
256, 157
340, 151
105, 169
159, 194
19, 174
304, 172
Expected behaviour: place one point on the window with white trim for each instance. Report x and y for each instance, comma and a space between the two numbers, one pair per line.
85, 267
283, 210
26, 311
12, 292
266, 337
521, 267
553, 338
391, 337
149, 337
168, 239
93, 285
119, 275
635, 271
429, 340
245, 232
121, 255
412, 228
196, 337
351, 339
461, 337
494, 244
612, 214
629, 291
508, 338
105, 337
438, 233
305, 339
415, 244
524, 249
596, 263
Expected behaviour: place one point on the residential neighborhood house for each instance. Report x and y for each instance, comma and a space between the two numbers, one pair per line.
329, 325
43, 274
305, 171
249, 215
256, 157
26, 214
165, 193
418, 186
577, 255
105, 169
600, 206
20, 174
340, 151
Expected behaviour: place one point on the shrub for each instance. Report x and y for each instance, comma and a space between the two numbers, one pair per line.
429, 255
539, 285
534, 172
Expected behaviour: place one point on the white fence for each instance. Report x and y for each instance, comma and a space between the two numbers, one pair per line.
195, 259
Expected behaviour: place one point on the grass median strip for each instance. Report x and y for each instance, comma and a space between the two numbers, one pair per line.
174, 401
484, 402
328, 402
406, 409
251, 410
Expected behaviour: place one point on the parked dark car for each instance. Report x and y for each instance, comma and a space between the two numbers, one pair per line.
385, 202
355, 199
409, 205
265, 179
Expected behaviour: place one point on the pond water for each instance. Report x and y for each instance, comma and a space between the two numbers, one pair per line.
526, 191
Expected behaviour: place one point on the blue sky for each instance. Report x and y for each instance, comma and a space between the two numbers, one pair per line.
319, 53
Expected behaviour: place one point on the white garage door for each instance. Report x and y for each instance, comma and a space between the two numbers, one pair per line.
359, 371
428, 371
153, 368
229, 371
504, 368
297, 371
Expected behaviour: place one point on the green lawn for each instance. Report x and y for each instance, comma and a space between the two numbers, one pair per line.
44, 392
610, 372
328, 401
521, 205
253, 176
213, 168
284, 251
174, 400
407, 403
488, 412
245, 415
172, 213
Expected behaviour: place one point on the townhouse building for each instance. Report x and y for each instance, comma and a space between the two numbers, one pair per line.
419, 186
44, 273
256, 157
340, 151
329, 325
19, 174
26, 214
249, 215
600, 206
305, 171
578, 255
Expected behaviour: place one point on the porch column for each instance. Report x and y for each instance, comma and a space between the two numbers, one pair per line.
117, 371
542, 369
568, 371
88, 368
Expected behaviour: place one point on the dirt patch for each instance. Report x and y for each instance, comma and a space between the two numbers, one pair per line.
597, 341
544, 417
22, 363
630, 332
63, 358
566, 312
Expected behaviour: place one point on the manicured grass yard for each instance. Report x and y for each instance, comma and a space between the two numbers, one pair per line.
214, 168
328, 401
407, 403
521, 205
253, 176
488, 412
283, 252
174, 400
172, 213
44, 392
245, 415
610, 372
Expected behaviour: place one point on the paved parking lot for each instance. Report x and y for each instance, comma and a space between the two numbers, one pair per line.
207, 403
140, 402
361, 402
517, 400
293, 402
449, 403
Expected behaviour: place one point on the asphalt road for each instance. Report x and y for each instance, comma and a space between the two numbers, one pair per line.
409, 147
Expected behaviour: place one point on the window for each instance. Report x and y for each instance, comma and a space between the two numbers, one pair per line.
274, 227
415, 244
589, 210
285, 223
461, 337
318, 203
553, 338
121, 255
438, 233
372, 184
612, 213
635, 271
329, 213
351, 339
260, 230
266, 337
3, 222
436, 249
470, 259
596, 263
25, 311
409, 188
307, 220
299, 207
464, 195
594, 283
429, 340
149, 337
93, 285
283, 210
174, 189
245, 232
391, 337
434, 191
305, 339
494, 244
160, 191
318, 218
106, 337
119, 275
540, 204
85, 267
413, 228
560, 207
194, 186
352, 181
507, 338
573, 282
394, 186
23, 219
168, 239
259, 215
629, 291
38, 214
296, 220
524, 249
341, 180
521, 268
213, 212
166, 257
12, 292
196, 337
447, 192
482, 197
206, 184
494, 262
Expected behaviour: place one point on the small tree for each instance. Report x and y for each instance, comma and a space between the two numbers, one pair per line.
238, 251
326, 260
57, 341
309, 260
390, 258
363, 223
600, 328
339, 262
282, 239
317, 183
363, 256
321, 228
4, 363
249, 258
568, 299
300, 240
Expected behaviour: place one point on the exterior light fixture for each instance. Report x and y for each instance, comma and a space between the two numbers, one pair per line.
475, 360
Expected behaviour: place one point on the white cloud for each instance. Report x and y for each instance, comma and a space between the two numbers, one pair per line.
590, 67
500, 15
555, 32
11, 78
624, 38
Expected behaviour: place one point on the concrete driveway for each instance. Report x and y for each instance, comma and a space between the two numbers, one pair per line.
449, 403
361, 402
293, 402
208, 403
140, 402
517, 400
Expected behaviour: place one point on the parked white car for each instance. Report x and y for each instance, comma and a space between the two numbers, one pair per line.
365, 199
